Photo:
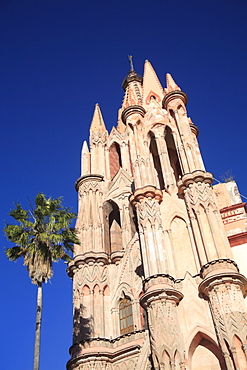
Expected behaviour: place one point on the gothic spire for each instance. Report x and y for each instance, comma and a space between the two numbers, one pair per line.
132, 85
171, 84
97, 123
151, 85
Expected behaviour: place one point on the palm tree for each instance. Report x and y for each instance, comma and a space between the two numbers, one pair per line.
42, 235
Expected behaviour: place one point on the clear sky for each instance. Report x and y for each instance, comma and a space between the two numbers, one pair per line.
59, 58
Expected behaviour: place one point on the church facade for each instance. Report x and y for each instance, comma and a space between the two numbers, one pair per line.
156, 278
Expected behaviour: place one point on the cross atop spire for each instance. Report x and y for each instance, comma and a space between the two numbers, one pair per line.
132, 75
131, 63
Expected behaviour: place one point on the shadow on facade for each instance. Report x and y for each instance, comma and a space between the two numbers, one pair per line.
83, 327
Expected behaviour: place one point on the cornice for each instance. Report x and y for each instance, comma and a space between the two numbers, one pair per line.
86, 178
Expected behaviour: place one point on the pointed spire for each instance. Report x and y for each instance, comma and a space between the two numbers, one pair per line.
151, 85
85, 149
97, 123
85, 159
171, 84
132, 85
172, 91
132, 75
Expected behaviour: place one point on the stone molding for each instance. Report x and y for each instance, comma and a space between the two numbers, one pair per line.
148, 191
218, 265
104, 349
160, 287
89, 258
197, 176
213, 281
176, 94
132, 109
222, 271
87, 178
194, 129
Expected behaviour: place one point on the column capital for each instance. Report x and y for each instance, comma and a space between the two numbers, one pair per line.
148, 192
197, 176
221, 272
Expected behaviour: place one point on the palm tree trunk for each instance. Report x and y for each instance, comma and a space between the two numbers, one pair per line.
38, 327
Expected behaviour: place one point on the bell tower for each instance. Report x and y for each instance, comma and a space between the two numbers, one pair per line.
155, 283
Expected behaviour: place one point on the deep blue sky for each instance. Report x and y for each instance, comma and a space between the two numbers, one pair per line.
59, 58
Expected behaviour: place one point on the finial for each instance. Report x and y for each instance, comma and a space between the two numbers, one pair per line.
131, 63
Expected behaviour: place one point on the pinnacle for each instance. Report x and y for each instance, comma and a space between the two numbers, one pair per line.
151, 84
171, 84
97, 123
84, 148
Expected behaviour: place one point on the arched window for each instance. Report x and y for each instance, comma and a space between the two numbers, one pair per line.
156, 162
115, 159
172, 153
126, 316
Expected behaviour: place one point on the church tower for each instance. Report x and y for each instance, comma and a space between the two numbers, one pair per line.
156, 283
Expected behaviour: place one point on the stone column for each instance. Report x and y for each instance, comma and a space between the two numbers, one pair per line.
160, 300
224, 289
160, 297
207, 227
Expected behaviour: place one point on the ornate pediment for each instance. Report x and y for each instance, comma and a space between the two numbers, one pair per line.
120, 185
116, 136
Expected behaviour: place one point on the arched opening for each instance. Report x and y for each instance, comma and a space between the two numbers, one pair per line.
115, 159
182, 250
156, 162
204, 354
126, 316
242, 363
172, 153
112, 227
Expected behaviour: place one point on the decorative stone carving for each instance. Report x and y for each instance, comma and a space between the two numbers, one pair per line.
225, 288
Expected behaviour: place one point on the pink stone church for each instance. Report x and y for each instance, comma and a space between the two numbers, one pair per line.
159, 278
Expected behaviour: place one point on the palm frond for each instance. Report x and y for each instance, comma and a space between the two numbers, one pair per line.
43, 235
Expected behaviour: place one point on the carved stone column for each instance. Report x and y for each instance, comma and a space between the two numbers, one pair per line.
160, 300
207, 227
160, 297
224, 288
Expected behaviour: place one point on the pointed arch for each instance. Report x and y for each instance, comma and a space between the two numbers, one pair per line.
86, 290
166, 359
106, 291
115, 159
241, 358
112, 227
96, 289
158, 173
182, 249
177, 359
172, 153
204, 350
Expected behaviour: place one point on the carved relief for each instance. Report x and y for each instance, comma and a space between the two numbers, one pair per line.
164, 330
98, 137
148, 211
91, 274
